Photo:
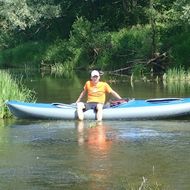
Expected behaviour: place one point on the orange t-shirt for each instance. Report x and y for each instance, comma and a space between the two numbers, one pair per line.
97, 92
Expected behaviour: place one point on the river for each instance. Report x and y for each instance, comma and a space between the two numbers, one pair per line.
36, 154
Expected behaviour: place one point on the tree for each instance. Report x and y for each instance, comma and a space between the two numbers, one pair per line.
22, 14
21, 18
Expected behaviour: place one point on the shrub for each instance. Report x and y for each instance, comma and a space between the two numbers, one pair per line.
29, 54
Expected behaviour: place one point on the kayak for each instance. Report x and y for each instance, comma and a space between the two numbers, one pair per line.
134, 109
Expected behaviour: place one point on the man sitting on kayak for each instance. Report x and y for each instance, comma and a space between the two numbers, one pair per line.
96, 96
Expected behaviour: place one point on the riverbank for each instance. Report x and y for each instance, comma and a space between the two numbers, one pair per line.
12, 89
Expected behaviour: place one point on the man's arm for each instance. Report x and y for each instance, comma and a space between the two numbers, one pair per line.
115, 94
81, 96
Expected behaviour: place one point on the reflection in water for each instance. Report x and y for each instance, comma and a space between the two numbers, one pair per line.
176, 87
82, 155
93, 136
80, 129
97, 136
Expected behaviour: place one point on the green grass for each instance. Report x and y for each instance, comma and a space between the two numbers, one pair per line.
12, 89
145, 184
177, 75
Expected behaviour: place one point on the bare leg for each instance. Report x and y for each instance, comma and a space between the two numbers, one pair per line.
99, 112
80, 107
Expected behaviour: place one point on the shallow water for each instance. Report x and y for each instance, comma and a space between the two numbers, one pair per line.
111, 155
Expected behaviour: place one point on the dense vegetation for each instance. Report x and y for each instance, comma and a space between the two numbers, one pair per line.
107, 34
12, 89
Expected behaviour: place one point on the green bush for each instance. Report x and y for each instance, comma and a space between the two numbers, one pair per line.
107, 50
130, 44
176, 40
57, 52
29, 54
180, 50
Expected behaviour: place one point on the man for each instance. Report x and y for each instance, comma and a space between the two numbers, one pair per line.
96, 96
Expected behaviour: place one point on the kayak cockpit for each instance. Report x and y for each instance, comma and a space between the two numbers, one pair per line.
163, 100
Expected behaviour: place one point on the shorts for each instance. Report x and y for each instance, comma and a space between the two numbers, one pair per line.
91, 105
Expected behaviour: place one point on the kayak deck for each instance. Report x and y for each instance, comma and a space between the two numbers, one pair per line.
133, 109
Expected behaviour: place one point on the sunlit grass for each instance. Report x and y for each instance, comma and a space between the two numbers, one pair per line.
176, 74
144, 184
176, 80
12, 89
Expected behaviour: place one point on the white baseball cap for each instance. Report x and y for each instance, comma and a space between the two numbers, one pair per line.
95, 73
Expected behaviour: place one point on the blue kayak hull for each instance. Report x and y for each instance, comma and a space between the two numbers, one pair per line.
133, 110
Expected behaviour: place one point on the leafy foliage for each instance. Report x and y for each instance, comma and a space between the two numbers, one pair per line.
84, 34
20, 14
28, 54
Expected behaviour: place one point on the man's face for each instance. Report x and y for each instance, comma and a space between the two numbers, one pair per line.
95, 79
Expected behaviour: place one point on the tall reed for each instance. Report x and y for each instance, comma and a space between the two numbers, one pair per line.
176, 74
12, 89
